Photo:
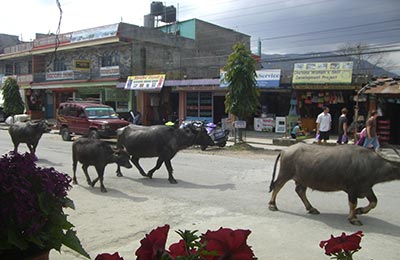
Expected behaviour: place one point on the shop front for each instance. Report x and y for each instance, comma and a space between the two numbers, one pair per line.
384, 96
322, 84
43, 99
310, 99
199, 99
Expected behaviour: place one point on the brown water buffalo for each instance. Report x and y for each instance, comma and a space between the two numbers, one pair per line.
92, 151
349, 168
158, 141
29, 133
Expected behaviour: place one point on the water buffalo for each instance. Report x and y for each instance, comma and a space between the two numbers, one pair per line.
158, 141
29, 133
349, 168
92, 151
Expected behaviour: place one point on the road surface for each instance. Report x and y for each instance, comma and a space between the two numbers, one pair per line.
214, 189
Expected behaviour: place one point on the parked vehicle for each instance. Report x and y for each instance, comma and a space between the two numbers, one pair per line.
89, 119
217, 134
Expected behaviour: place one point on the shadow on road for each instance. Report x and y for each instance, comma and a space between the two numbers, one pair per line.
164, 183
110, 193
339, 221
48, 163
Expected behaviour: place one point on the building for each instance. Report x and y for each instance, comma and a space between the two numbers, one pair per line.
95, 63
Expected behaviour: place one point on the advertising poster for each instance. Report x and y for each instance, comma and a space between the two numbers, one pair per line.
323, 73
145, 82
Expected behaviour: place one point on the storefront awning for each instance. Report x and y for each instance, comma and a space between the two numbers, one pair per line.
192, 82
325, 87
75, 85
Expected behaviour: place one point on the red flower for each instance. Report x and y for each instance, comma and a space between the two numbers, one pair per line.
229, 244
106, 256
179, 249
153, 245
344, 243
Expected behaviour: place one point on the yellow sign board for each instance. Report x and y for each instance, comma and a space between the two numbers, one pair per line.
323, 73
81, 64
145, 82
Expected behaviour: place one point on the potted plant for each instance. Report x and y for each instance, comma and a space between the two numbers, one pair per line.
32, 199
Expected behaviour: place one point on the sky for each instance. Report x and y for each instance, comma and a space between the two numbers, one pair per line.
282, 26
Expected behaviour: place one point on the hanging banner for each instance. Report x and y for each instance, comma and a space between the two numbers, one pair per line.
323, 72
145, 82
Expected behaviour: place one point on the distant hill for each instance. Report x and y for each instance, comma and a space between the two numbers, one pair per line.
286, 63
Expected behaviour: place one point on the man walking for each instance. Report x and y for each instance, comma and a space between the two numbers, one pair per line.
324, 122
371, 137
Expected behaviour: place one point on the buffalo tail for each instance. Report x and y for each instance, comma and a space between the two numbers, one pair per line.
272, 185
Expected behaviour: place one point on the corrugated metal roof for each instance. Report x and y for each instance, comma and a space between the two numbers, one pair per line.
384, 86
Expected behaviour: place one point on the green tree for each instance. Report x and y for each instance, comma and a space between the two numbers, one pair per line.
13, 103
242, 98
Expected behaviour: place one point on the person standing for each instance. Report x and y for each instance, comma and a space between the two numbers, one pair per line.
343, 124
324, 123
371, 137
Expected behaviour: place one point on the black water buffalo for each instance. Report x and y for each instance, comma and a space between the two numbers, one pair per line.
158, 141
29, 133
349, 168
92, 151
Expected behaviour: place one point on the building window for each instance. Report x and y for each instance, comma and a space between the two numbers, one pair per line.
199, 106
17, 69
110, 59
9, 69
30, 67
59, 64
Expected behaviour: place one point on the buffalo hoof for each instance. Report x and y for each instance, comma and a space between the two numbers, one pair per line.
355, 221
172, 181
313, 211
119, 174
149, 175
104, 190
74, 181
92, 183
273, 207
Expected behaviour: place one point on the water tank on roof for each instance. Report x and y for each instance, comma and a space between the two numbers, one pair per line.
156, 8
169, 14
149, 21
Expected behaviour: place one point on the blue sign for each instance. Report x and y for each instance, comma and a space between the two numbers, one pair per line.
265, 78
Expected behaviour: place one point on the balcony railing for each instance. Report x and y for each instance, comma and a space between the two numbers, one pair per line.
103, 72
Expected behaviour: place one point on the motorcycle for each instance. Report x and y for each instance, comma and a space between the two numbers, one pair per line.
218, 135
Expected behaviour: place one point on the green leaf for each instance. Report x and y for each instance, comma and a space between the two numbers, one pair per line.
72, 241
16, 239
69, 203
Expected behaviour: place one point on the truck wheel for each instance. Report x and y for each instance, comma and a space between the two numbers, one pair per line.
222, 144
65, 134
93, 134
203, 147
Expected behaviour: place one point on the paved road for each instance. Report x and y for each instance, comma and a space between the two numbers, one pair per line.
214, 191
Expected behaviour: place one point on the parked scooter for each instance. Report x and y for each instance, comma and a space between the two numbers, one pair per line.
218, 135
